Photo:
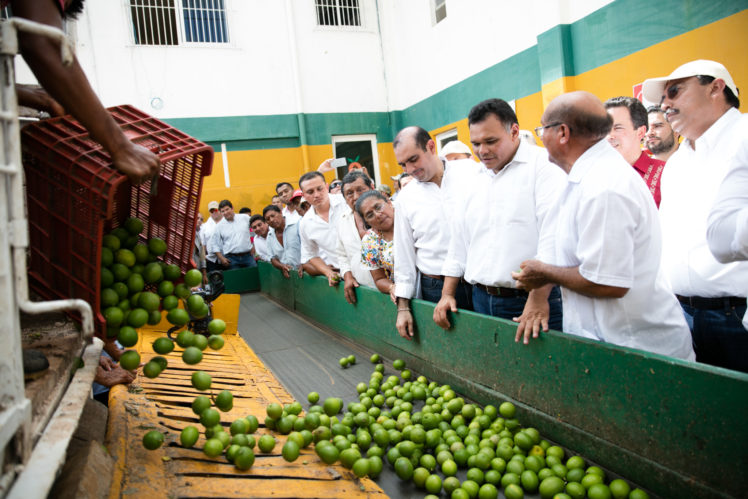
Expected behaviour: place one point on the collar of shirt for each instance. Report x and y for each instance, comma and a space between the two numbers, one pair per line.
714, 133
582, 165
642, 164
521, 156
335, 201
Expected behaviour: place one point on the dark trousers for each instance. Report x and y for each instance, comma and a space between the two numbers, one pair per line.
431, 290
240, 260
211, 266
510, 307
719, 337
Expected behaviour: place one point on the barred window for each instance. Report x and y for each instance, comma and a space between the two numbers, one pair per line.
171, 22
338, 13
439, 11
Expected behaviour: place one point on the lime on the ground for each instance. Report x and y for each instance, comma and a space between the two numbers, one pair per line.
507, 410
398, 364
201, 380
244, 458
192, 355
153, 440
215, 342
213, 447
189, 436
290, 451
374, 358
266, 443
274, 410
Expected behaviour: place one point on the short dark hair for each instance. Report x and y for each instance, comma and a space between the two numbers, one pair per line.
498, 107
245, 210
654, 109
270, 207
225, 202
255, 218
366, 195
420, 136
730, 97
281, 184
637, 111
351, 177
310, 176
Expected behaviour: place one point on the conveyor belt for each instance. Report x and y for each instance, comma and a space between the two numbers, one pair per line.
164, 404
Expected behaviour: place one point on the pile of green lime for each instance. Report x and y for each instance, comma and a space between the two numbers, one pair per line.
429, 445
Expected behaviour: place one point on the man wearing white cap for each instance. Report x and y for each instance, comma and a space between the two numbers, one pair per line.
700, 100
456, 150
206, 234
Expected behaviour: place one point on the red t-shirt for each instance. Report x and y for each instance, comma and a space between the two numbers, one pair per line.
651, 171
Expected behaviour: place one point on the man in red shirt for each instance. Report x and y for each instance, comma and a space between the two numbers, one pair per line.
630, 124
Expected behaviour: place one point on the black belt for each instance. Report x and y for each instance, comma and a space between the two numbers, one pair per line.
712, 303
441, 277
502, 292
238, 254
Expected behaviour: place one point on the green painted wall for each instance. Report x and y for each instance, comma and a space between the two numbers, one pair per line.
674, 427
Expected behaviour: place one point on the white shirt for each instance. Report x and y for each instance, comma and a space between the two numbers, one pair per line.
232, 237
606, 222
689, 189
290, 216
349, 250
320, 238
290, 252
261, 245
727, 230
422, 217
498, 225
206, 234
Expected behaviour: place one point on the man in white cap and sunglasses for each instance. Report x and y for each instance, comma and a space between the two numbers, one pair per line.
700, 101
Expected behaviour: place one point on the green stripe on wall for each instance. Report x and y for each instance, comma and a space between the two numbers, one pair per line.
610, 33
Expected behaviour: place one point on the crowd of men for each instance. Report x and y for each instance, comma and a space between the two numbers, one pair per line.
617, 230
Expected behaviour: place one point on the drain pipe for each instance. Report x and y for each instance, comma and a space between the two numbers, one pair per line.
18, 236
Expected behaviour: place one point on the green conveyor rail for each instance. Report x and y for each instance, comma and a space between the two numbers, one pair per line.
674, 427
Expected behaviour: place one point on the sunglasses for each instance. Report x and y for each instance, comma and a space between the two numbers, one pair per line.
335, 184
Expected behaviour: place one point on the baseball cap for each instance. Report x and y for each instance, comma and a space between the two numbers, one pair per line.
213, 205
396, 177
455, 147
296, 194
654, 88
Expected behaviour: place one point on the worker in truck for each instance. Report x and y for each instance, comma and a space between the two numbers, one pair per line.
67, 88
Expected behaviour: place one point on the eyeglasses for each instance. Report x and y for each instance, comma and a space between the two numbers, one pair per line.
539, 130
672, 92
377, 208
335, 184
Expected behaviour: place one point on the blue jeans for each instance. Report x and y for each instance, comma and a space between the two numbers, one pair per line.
239, 261
431, 290
719, 337
508, 308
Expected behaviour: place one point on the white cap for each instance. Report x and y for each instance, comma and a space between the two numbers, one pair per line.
455, 147
654, 88
213, 205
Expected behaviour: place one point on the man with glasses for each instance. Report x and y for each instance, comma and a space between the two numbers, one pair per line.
700, 100
601, 240
351, 228
498, 223
422, 214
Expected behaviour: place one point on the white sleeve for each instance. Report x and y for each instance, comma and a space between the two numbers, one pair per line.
309, 248
454, 264
727, 229
405, 271
344, 263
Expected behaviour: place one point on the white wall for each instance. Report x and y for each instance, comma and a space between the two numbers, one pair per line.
279, 61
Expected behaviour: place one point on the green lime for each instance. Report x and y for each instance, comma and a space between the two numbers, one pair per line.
290, 451
343, 362
225, 401
189, 436
213, 447
374, 359
133, 225
195, 303
125, 257
361, 467
178, 317
216, 326
109, 298
244, 458
149, 301
200, 342
210, 417
313, 397
193, 277
163, 345
507, 410
141, 253
328, 453
529, 480
201, 312
576, 490
619, 489
349, 456
253, 423
215, 342
514, 491
165, 288
137, 318
274, 410
111, 242
488, 491
172, 272
169, 302
153, 273
185, 338
239, 426
266, 443
153, 440
107, 278
638, 494
154, 317
433, 484
591, 479
182, 291
599, 491
130, 360
160, 361
404, 468
128, 336
120, 272
201, 380
192, 355
398, 364
332, 406
107, 257
550, 487
156, 246
200, 404
152, 369
135, 283
113, 316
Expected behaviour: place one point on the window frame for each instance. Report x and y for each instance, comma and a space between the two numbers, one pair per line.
444, 138
181, 32
435, 6
372, 138
341, 27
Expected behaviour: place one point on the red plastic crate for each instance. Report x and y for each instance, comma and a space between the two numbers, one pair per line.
75, 196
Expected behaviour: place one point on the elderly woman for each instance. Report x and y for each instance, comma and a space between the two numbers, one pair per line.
376, 209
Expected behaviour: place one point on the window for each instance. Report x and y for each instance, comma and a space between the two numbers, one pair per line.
444, 138
439, 11
338, 13
171, 22
358, 150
